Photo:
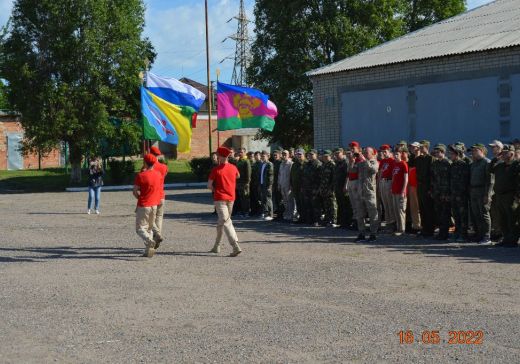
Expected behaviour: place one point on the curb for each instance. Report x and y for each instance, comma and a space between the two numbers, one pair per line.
130, 187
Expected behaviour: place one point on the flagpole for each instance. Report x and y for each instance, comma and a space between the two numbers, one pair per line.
218, 132
210, 95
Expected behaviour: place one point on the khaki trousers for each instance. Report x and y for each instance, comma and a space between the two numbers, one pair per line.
224, 223
400, 209
414, 208
354, 194
144, 224
388, 201
368, 205
159, 216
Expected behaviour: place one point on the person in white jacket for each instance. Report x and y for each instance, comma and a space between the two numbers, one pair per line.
284, 183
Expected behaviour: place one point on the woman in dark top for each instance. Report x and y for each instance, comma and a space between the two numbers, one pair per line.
95, 181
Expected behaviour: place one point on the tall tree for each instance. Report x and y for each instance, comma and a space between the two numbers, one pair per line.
4, 103
421, 13
293, 37
72, 64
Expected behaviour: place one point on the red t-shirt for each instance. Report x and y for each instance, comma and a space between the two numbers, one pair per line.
224, 177
354, 175
149, 183
412, 177
163, 170
386, 167
398, 172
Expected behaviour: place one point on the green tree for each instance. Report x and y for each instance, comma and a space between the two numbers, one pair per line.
72, 64
293, 37
421, 13
4, 103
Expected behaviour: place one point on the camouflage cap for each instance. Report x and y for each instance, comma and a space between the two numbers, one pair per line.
461, 145
299, 151
425, 143
327, 152
480, 146
402, 142
440, 147
338, 150
508, 148
457, 148
278, 150
313, 151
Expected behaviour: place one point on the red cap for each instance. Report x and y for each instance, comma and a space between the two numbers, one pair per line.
150, 159
223, 151
385, 147
354, 144
155, 151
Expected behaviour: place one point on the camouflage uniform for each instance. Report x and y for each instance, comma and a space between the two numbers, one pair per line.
310, 187
441, 195
327, 192
481, 189
254, 188
296, 186
459, 196
506, 190
367, 171
344, 214
242, 187
423, 170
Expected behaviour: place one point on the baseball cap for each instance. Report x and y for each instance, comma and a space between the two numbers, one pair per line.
327, 152
508, 148
496, 143
155, 150
150, 159
478, 146
300, 151
385, 147
354, 144
415, 144
440, 147
338, 150
425, 143
313, 151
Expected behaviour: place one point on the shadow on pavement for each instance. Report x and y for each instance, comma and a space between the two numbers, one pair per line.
46, 254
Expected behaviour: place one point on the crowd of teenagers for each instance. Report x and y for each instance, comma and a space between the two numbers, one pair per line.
446, 192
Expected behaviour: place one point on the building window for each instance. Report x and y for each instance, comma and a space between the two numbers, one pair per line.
505, 128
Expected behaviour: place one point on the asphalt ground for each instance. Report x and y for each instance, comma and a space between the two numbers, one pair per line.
74, 289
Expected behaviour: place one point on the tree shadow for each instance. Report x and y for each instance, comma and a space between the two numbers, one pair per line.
202, 197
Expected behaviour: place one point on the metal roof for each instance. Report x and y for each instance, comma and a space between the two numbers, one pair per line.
491, 26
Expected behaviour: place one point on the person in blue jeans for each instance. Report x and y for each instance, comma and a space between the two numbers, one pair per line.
95, 182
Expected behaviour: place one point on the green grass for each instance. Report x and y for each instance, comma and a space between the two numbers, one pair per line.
56, 179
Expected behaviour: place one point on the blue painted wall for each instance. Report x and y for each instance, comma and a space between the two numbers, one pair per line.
462, 110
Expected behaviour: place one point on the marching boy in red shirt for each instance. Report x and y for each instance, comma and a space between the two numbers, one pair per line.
162, 168
148, 192
399, 189
222, 182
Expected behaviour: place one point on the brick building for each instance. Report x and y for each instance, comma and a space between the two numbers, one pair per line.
458, 79
11, 134
200, 135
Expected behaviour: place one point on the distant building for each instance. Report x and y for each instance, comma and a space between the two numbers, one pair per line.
455, 80
200, 137
11, 136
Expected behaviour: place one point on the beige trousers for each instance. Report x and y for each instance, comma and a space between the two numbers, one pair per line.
400, 212
388, 201
414, 208
159, 216
144, 224
354, 194
224, 223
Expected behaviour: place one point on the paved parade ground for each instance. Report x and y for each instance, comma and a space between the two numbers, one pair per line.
75, 289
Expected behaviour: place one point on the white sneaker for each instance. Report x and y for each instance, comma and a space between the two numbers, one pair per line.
88, 212
268, 218
97, 212
485, 242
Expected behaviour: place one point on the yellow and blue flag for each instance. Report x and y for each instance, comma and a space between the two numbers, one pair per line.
169, 110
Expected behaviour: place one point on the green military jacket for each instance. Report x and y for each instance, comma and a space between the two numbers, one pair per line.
480, 178
255, 173
276, 165
459, 179
423, 170
297, 175
327, 178
311, 175
268, 174
440, 172
340, 175
506, 177
244, 168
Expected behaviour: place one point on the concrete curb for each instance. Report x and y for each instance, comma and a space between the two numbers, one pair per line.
130, 187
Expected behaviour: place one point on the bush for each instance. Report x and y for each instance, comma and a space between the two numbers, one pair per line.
201, 168
120, 171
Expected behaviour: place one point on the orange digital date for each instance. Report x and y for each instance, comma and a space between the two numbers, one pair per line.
433, 337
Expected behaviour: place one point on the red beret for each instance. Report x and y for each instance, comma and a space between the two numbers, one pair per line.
223, 151
155, 151
354, 144
150, 159
385, 147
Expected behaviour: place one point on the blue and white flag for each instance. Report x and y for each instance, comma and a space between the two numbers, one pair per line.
174, 91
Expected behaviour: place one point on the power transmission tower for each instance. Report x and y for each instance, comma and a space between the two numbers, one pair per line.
242, 48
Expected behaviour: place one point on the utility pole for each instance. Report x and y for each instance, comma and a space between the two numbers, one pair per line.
242, 48
210, 93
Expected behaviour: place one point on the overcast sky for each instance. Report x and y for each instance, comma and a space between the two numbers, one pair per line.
176, 29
